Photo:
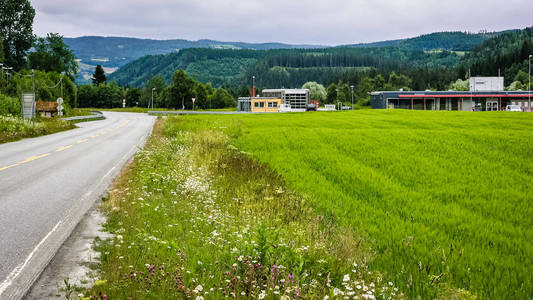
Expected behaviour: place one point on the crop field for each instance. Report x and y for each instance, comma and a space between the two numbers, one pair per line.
443, 196
403, 203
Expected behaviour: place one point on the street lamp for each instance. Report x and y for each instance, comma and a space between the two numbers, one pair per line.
351, 86
153, 89
529, 85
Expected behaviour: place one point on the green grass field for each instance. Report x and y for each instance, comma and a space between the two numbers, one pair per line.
443, 196
436, 204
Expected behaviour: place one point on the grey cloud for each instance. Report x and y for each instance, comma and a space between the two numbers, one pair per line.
293, 21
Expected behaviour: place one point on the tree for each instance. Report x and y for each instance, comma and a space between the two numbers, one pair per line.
99, 75
221, 98
181, 90
516, 86
399, 81
1, 50
201, 96
331, 96
522, 77
44, 61
459, 85
52, 54
158, 83
316, 90
16, 21
133, 96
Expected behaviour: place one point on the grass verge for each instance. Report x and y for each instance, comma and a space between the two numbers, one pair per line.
193, 217
13, 128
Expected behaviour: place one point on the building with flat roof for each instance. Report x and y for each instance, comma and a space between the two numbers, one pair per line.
296, 98
259, 104
449, 100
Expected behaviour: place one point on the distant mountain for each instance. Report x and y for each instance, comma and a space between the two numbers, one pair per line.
453, 41
507, 54
114, 52
288, 68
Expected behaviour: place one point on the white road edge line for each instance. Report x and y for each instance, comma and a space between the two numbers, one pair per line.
16, 272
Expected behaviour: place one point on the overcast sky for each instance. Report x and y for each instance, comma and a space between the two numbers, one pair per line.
326, 22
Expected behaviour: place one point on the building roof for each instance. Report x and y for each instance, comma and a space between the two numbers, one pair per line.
46, 106
286, 91
453, 94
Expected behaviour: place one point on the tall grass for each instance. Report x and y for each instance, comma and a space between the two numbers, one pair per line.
14, 128
444, 197
195, 218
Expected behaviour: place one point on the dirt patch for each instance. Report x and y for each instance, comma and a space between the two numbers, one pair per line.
74, 263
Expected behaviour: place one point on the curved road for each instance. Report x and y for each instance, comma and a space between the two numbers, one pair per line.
48, 183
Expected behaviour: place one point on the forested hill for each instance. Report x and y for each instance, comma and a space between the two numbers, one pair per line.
282, 67
453, 41
114, 52
117, 51
507, 53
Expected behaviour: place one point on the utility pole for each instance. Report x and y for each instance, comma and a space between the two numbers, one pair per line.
33, 80
351, 86
153, 89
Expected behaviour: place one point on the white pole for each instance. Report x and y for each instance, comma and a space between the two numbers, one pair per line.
153, 89
351, 86
529, 85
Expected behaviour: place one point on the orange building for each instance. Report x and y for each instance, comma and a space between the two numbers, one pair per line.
265, 104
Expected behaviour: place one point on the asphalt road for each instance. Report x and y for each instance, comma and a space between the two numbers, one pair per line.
48, 183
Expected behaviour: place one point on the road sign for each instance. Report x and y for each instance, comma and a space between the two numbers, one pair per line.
193, 99
28, 106
60, 107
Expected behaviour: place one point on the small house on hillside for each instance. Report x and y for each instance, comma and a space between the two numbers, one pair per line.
46, 108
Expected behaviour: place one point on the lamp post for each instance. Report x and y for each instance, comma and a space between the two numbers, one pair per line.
153, 89
351, 86
529, 85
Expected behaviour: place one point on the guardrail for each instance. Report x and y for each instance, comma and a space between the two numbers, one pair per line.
94, 115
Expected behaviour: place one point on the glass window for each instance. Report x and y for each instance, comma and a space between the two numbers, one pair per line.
261, 104
256, 104
274, 104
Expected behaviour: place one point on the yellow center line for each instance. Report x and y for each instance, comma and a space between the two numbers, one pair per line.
27, 160
63, 148
94, 136
82, 141
7, 167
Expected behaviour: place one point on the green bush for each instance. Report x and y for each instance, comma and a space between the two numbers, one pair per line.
9, 106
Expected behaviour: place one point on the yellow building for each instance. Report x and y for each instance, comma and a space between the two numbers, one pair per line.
265, 104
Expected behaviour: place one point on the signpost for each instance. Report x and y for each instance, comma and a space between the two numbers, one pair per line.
193, 99
60, 107
28, 106
124, 103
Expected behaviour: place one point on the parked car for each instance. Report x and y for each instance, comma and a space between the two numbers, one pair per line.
311, 107
346, 108
513, 108
285, 107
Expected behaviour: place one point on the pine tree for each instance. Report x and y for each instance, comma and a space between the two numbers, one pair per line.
1, 50
99, 75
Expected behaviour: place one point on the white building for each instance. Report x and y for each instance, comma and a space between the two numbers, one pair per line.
486, 84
